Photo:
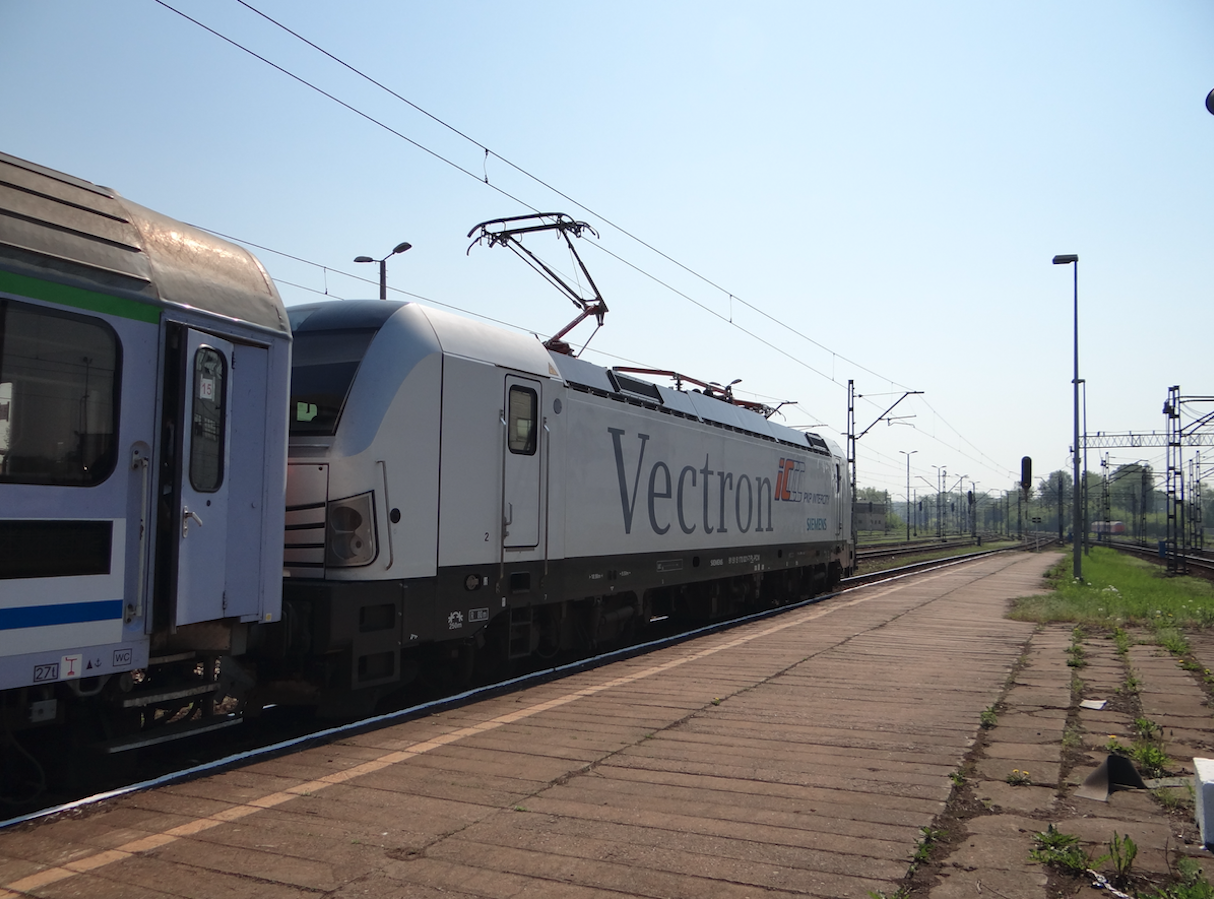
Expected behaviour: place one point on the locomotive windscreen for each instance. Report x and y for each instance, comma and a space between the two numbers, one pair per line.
330, 340
323, 366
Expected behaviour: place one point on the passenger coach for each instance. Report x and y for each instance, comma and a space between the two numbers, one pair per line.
143, 377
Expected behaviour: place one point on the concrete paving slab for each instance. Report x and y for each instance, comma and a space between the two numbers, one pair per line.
1039, 773
1022, 752
1005, 798
809, 827
749, 860
1028, 882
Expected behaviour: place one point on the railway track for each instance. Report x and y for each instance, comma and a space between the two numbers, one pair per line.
282, 730
912, 547
1197, 565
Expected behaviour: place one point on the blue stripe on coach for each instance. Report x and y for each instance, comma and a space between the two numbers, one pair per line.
68, 613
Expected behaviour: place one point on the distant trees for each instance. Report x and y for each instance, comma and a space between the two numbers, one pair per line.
1132, 498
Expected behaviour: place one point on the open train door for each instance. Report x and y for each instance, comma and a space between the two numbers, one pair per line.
202, 514
521, 463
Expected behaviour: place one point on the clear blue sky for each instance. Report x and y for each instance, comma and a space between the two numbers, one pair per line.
888, 180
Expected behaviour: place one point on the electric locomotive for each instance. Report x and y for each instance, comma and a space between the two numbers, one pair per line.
455, 490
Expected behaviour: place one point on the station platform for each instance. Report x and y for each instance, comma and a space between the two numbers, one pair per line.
799, 755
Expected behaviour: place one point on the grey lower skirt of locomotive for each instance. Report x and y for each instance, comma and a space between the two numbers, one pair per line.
344, 647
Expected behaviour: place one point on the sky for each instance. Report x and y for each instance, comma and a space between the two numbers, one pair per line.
794, 194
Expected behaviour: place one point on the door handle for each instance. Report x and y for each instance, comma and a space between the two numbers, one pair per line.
186, 515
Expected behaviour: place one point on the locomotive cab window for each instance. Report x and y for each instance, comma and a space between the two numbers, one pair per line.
521, 420
323, 365
59, 383
207, 433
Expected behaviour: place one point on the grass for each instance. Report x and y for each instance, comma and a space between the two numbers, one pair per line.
1149, 759
1146, 752
1190, 883
1072, 737
1018, 778
1120, 590
1122, 641
1122, 852
1061, 850
1146, 729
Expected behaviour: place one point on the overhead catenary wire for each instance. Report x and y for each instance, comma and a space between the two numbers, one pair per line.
487, 151
893, 464
343, 103
560, 193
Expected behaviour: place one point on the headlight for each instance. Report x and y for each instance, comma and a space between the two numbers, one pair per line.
350, 532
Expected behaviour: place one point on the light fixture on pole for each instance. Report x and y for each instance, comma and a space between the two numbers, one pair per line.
961, 486
908, 499
941, 475
1068, 259
383, 266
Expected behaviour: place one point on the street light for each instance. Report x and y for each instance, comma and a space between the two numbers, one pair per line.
961, 484
941, 475
1087, 522
383, 266
908, 455
1068, 259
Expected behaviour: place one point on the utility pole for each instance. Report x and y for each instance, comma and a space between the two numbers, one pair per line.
1076, 513
1061, 535
908, 493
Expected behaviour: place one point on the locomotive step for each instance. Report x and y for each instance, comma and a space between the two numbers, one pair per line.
142, 698
166, 734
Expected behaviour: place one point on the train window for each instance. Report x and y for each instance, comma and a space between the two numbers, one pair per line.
323, 365
59, 383
207, 432
520, 422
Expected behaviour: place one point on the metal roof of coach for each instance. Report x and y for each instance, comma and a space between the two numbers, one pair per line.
60, 228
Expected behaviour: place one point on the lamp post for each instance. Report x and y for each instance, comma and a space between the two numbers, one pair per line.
961, 487
961, 502
1068, 259
1087, 518
908, 455
383, 266
941, 474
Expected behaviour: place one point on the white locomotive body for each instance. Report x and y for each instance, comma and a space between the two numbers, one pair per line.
454, 485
